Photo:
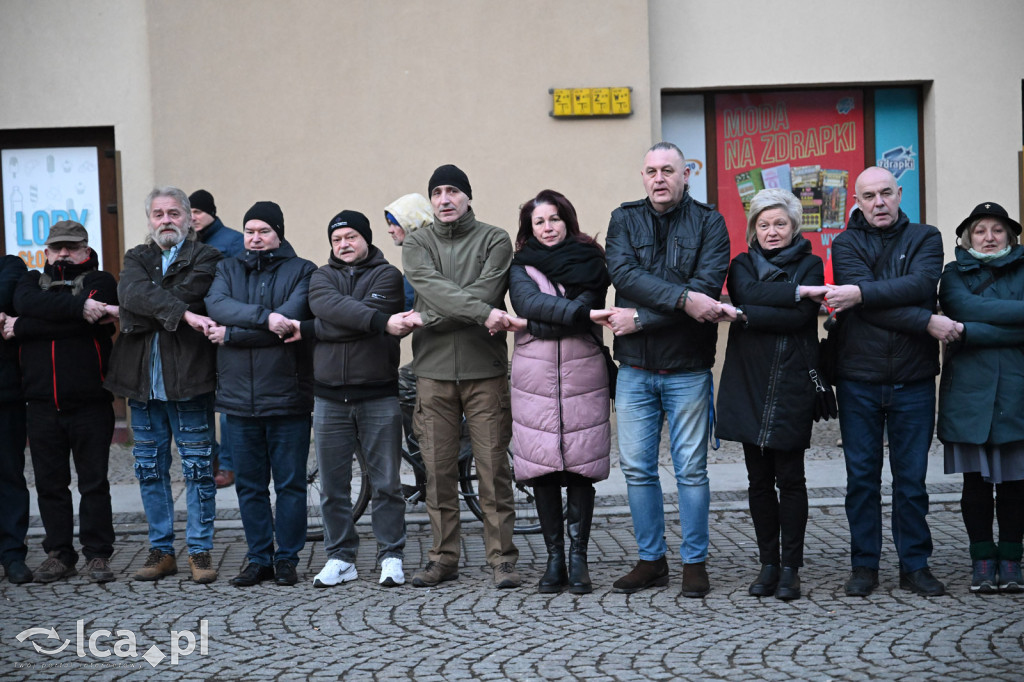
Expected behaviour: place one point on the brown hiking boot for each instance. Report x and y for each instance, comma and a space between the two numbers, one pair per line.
645, 574
53, 569
434, 573
158, 564
99, 570
202, 568
506, 575
695, 580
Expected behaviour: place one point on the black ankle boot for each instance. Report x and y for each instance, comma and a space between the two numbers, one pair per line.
548, 499
580, 513
766, 581
789, 584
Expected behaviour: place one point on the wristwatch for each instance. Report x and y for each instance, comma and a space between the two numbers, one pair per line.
636, 320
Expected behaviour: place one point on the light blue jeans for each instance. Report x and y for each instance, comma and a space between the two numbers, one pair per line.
154, 423
643, 400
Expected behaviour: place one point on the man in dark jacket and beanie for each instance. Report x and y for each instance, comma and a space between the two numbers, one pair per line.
209, 227
165, 366
357, 300
667, 256
65, 323
213, 232
13, 490
265, 387
886, 273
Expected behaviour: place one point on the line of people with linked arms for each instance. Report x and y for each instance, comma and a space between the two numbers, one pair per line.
267, 339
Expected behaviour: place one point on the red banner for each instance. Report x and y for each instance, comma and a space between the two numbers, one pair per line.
810, 143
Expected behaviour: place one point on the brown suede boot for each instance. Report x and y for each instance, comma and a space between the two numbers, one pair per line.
695, 580
645, 574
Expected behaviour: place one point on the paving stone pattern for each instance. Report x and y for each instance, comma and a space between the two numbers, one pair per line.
467, 630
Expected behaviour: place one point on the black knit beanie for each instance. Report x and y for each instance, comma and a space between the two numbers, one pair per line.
268, 212
353, 220
203, 200
450, 175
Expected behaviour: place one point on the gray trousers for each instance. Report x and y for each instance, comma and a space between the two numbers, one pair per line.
375, 427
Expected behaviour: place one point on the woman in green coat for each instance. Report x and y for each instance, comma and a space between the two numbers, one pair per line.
980, 421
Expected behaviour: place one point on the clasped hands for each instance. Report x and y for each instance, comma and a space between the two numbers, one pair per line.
93, 312
285, 328
500, 321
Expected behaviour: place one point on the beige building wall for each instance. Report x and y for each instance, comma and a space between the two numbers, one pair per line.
971, 56
323, 105
83, 63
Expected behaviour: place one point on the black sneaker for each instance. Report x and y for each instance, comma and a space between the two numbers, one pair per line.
922, 582
252, 574
862, 581
284, 573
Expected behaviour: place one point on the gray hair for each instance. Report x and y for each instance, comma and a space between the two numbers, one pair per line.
768, 199
666, 146
173, 193
181, 198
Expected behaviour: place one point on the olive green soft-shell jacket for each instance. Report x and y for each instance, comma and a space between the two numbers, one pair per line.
460, 273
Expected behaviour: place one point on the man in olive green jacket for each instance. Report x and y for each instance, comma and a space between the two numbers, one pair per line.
458, 267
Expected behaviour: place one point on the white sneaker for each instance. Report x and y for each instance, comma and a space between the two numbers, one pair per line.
334, 573
391, 573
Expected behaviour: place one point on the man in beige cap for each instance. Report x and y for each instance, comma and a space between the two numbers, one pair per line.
64, 324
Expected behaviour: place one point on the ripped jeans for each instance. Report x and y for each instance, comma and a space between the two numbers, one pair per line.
154, 423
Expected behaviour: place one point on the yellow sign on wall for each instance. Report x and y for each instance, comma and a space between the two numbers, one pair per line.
590, 102
562, 102
621, 104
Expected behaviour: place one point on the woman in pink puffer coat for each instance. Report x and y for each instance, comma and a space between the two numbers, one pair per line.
560, 398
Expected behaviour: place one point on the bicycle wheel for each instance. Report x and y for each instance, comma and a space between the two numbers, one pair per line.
527, 521
360, 495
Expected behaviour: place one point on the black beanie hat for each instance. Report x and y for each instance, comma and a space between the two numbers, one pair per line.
450, 175
268, 212
353, 220
203, 200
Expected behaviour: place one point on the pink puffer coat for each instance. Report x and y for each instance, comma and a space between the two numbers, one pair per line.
560, 403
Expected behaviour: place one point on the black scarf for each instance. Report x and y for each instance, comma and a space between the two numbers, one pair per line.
771, 264
573, 264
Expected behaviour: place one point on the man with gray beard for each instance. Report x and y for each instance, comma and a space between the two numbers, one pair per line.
166, 367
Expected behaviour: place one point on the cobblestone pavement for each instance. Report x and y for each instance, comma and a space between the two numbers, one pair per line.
468, 630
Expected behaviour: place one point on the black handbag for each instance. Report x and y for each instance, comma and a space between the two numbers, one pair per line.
825, 405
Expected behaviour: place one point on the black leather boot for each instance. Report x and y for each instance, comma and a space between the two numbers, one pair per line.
789, 584
766, 582
580, 514
549, 508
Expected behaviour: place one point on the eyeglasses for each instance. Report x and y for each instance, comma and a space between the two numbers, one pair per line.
71, 247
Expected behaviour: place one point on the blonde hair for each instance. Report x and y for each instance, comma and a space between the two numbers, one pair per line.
768, 199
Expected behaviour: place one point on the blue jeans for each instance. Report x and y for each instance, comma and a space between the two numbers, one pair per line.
643, 400
222, 450
375, 427
154, 423
909, 412
265, 447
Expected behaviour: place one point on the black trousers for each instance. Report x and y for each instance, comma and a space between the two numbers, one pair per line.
977, 507
85, 433
777, 516
13, 490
